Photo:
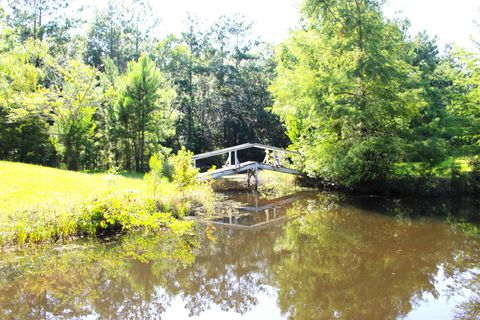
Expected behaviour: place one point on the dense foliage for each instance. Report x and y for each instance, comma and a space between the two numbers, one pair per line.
361, 98
105, 93
358, 95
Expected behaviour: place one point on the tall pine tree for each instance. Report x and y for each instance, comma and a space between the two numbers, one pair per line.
145, 111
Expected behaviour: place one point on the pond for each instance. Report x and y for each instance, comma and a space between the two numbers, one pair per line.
308, 255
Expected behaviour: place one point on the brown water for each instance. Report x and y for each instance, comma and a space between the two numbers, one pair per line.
308, 256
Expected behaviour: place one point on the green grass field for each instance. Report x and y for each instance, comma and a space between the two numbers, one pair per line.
41, 204
23, 186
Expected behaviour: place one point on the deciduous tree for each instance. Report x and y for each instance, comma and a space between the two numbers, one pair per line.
77, 99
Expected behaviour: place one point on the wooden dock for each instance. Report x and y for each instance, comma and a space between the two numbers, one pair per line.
275, 160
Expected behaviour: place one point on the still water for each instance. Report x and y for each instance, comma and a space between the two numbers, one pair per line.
303, 256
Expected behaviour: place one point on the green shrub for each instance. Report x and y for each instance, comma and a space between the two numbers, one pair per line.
184, 174
114, 213
368, 161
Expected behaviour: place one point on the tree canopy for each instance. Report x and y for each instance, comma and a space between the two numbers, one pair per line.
354, 89
358, 95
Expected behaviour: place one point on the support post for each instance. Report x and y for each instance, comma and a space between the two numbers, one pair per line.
255, 174
237, 163
249, 175
276, 161
194, 163
266, 159
229, 160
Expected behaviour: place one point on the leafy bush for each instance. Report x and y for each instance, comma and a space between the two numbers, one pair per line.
184, 174
430, 151
116, 213
368, 161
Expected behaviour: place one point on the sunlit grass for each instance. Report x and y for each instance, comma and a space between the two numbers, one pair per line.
40, 204
442, 169
23, 186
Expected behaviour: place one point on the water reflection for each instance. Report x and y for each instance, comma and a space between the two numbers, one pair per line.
109, 281
250, 210
331, 257
354, 264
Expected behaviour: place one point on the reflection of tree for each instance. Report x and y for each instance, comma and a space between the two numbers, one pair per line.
469, 309
358, 266
229, 272
332, 260
465, 276
106, 281
99, 278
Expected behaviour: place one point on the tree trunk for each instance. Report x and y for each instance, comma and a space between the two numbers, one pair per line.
128, 149
35, 20
40, 24
190, 94
363, 100
136, 153
71, 157
142, 151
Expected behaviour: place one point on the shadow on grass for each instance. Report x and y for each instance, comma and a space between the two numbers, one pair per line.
131, 174
125, 174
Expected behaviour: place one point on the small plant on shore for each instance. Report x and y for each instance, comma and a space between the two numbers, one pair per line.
176, 187
111, 176
160, 170
184, 174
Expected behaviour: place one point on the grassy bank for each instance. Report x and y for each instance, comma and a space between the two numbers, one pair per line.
24, 186
454, 176
39, 204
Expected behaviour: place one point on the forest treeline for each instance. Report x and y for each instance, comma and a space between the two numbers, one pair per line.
108, 92
358, 95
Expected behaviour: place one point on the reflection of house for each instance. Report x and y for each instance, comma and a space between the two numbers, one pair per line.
259, 214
